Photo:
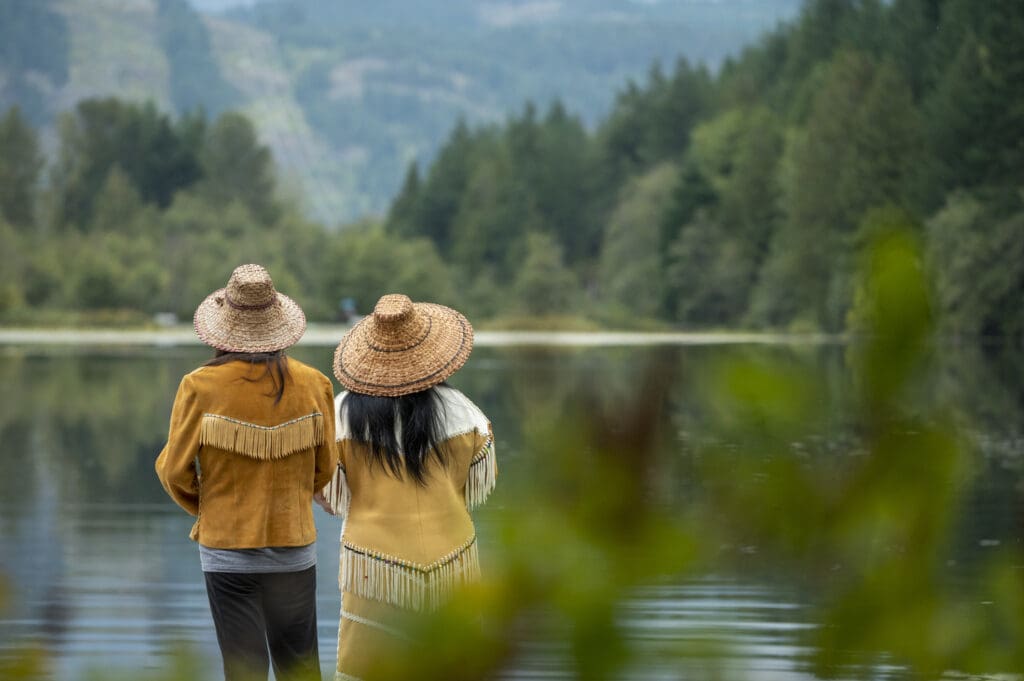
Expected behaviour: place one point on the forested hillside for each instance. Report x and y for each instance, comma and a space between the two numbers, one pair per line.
744, 198
346, 94
736, 199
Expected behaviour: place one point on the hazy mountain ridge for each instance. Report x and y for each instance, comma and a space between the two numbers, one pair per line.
346, 100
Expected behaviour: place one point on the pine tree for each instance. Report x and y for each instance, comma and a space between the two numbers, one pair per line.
236, 167
102, 133
20, 164
631, 272
544, 285
402, 215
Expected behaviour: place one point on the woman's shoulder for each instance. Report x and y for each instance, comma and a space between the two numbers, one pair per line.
461, 415
303, 371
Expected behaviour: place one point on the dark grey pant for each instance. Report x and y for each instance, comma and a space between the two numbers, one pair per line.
254, 612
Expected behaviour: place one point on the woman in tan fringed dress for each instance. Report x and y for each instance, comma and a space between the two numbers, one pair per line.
414, 456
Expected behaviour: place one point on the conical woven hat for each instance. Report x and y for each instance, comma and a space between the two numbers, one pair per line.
402, 348
249, 315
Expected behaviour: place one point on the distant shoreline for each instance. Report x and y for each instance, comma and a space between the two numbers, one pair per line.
329, 335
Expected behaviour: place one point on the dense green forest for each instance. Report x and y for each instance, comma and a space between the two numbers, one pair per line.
740, 198
744, 198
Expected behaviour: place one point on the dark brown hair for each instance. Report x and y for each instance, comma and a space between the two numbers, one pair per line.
275, 363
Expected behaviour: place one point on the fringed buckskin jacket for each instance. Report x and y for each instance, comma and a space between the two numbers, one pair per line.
246, 467
405, 546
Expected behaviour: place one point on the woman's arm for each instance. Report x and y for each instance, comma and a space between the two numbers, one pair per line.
334, 497
483, 470
176, 464
327, 451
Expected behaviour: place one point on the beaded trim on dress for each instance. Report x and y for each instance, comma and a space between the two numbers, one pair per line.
405, 584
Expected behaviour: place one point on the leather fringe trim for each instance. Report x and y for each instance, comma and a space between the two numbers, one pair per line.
483, 475
405, 584
262, 442
337, 493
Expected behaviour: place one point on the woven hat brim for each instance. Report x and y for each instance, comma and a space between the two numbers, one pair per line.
275, 328
363, 368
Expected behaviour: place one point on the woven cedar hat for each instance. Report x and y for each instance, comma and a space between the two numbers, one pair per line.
402, 348
249, 315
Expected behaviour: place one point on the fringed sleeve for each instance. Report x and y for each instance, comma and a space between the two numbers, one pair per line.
337, 493
483, 473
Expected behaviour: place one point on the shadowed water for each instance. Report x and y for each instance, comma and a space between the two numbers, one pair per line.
100, 573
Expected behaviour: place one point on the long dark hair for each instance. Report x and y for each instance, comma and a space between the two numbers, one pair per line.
275, 363
375, 421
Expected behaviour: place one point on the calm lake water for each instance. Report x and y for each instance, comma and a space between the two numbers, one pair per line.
98, 569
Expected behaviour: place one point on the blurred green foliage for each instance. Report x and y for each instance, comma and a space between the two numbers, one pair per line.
866, 528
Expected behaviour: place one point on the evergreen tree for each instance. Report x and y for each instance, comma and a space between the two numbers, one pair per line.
445, 187
824, 27
12, 296
544, 285
976, 113
494, 216
888, 142
20, 164
693, 192
375, 263
977, 260
631, 274
103, 133
236, 167
559, 183
118, 205
749, 199
709, 275
402, 215
910, 34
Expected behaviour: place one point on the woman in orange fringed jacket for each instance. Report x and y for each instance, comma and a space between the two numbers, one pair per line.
251, 439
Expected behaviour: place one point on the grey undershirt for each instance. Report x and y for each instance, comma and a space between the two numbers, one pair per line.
267, 559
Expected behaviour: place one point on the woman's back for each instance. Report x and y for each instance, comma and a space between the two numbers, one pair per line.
258, 454
419, 522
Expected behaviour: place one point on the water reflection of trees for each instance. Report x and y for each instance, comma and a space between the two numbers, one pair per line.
87, 427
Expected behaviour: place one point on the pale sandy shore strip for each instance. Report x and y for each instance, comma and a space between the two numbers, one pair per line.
327, 335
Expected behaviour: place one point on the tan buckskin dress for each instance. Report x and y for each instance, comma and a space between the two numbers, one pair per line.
404, 546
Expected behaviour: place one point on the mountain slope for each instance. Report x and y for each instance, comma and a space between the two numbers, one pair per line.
346, 98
